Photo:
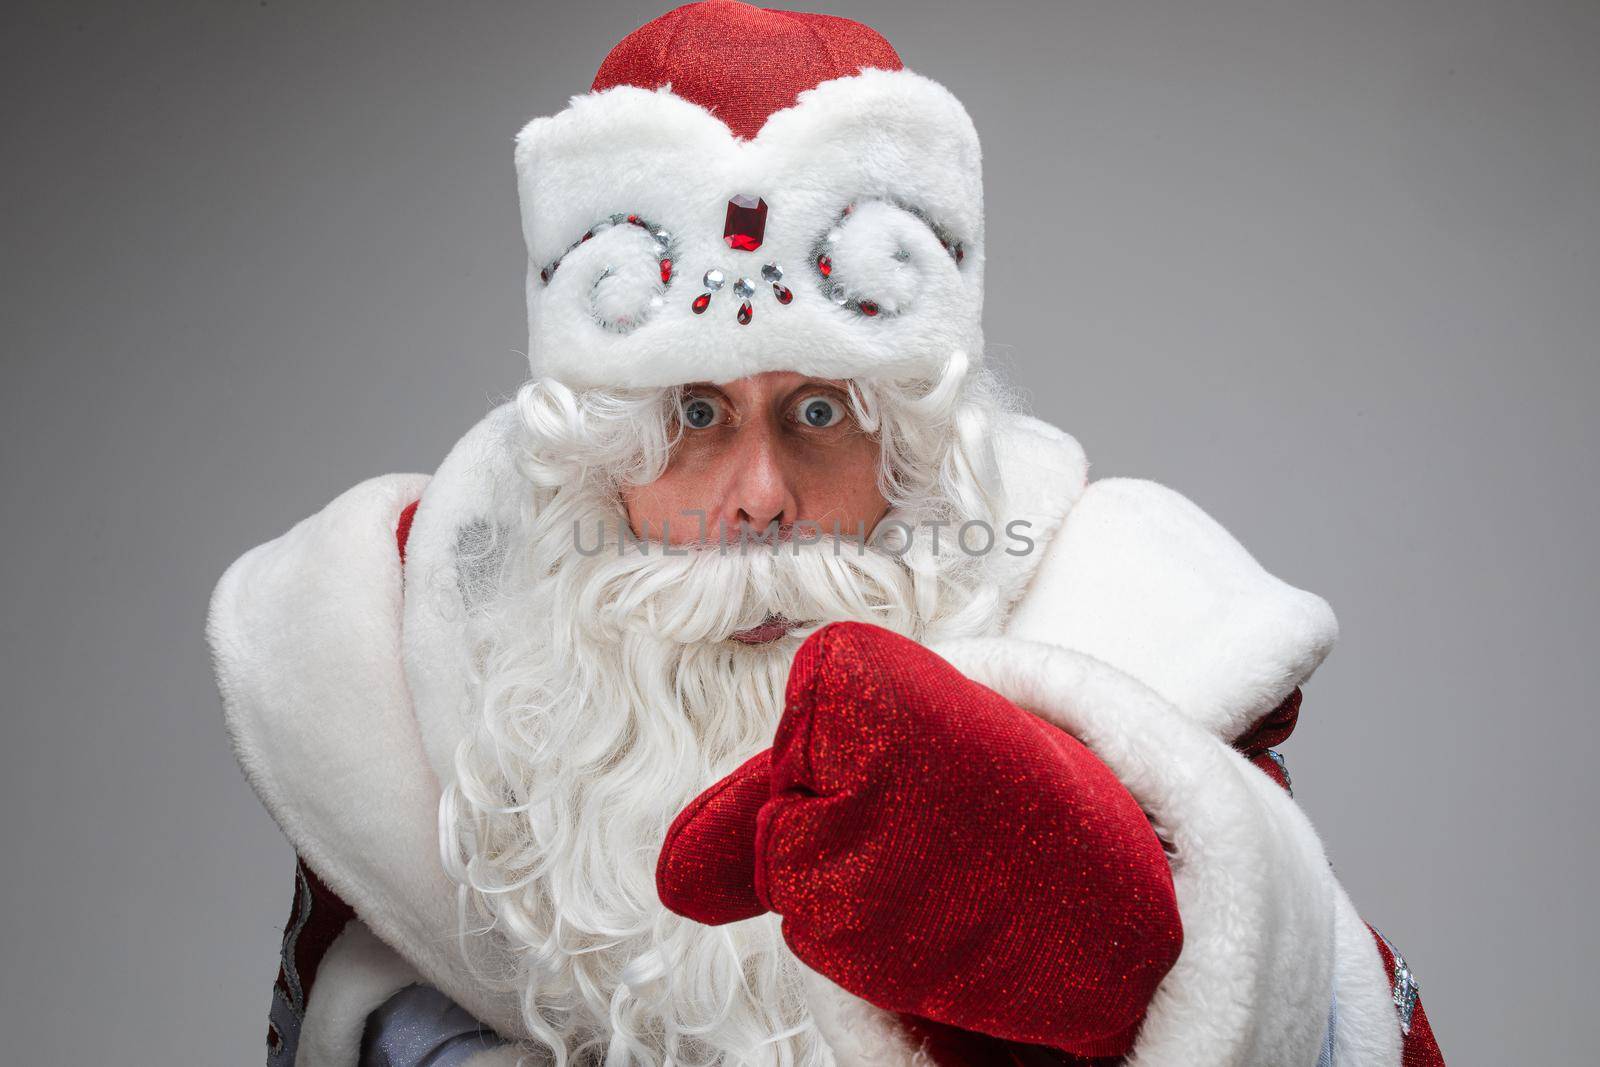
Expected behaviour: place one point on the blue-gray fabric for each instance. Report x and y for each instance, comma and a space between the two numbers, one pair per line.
421, 1027
1326, 1058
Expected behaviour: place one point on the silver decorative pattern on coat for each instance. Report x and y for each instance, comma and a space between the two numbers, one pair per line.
288, 1009
1404, 993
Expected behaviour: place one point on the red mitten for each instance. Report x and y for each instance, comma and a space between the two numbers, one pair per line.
937, 851
707, 867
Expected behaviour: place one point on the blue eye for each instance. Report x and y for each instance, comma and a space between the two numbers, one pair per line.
700, 412
820, 412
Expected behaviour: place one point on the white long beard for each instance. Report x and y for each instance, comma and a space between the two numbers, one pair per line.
608, 696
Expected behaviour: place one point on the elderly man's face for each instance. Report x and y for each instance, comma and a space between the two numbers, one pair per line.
772, 448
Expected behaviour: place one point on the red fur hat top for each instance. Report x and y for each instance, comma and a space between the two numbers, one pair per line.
742, 62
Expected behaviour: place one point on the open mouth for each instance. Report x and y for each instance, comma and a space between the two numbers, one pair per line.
772, 628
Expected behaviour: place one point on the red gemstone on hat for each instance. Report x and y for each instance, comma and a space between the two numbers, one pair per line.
745, 313
825, 265
746, 223
666, 270
783, 293
701, 302
869, 307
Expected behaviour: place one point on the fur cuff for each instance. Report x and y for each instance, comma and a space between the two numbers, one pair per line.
359, 973
1254, 980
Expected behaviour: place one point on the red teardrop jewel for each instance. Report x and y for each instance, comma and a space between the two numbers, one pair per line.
746, 222
745, 313
869, 307
782, 292
701, 302
666, 270
586, 236
961, 253
825, 265
544, 275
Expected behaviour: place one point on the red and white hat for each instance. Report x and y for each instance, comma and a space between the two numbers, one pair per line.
743, 190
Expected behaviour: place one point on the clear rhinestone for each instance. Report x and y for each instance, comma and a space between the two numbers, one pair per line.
839, 296
744, 287
1405, 994
902, 255
1283, 768
772, 272
714, 279
833, 236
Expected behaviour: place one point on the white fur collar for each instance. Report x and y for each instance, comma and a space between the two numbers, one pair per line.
1143, 579
305, 640
344, 698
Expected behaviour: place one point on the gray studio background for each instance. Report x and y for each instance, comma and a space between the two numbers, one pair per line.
1328, 268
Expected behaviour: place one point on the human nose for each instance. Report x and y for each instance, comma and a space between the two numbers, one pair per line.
760, 489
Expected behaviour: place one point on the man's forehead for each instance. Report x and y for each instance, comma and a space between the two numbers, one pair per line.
769, 381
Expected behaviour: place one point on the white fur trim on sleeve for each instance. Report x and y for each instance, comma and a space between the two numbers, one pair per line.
856, 1032
1142, 578
358, 973
1253, 983
1368, 1034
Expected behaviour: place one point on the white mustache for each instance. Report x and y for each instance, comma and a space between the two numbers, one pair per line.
707, 592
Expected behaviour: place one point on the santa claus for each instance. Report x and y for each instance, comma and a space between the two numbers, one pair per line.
759, 685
